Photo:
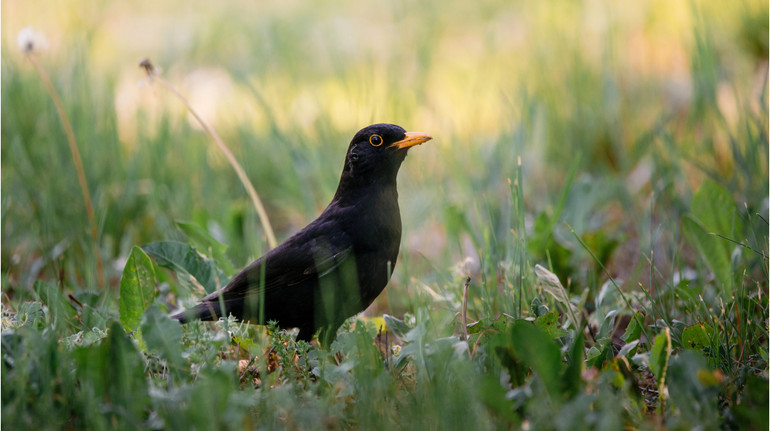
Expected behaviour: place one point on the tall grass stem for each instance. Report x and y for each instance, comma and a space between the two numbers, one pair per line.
76, 160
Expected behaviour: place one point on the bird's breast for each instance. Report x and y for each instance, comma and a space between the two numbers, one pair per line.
377, 224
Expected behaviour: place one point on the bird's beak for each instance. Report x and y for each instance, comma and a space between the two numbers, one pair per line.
411, 139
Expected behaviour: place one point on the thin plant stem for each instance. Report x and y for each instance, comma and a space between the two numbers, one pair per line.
256, 201
464, 311
78, 164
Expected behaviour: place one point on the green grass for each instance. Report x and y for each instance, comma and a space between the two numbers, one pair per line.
606, 143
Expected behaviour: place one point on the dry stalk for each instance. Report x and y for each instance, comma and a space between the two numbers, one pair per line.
464, 311
76, 159
256, 201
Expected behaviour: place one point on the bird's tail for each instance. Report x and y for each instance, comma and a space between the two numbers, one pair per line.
202, 311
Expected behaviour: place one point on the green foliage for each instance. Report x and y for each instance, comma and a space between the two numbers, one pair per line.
163, 336
713, 213
137, 289
202, 240
195, 271
112, 380
549, 323
697, 337
659, 357
694, 391
634, 328
609, 206
59, 310
531, 346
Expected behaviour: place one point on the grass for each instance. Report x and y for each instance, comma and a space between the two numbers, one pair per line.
622, 148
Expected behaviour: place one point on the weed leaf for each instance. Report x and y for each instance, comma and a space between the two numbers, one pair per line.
659, 356
634, 328
58, 307
713, 212
549, 323
162, 335
535, 348
187, 263
713, 250
137, 289
201, 239
697, 337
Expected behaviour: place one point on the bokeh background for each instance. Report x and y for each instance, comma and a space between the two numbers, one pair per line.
606, 114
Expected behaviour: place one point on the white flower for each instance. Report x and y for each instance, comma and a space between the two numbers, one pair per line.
30, 40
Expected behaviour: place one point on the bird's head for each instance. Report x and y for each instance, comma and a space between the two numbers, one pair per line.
376, 152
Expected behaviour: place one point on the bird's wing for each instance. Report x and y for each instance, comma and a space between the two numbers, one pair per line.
326, 260
300, 259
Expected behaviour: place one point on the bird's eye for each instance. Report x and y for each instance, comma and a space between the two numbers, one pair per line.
375, 140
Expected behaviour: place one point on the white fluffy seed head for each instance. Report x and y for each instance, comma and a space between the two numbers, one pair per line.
30, 40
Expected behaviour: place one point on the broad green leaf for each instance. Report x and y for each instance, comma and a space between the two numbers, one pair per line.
536, 349
713, 250
634, 328
572, 379
549, 323
113, 373
714, 208
697, 337
187, 263
600, 353
200, 238
713, 212
137, 289
659, 356
163, 335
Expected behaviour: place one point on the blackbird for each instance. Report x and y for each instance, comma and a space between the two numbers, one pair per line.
339, 263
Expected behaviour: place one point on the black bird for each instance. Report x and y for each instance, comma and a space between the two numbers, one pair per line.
338, 264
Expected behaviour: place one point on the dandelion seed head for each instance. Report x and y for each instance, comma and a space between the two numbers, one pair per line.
148, 67
30, 40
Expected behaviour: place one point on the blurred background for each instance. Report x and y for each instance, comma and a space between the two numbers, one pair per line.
597, 115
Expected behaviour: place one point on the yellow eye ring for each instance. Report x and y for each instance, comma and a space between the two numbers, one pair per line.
376, 140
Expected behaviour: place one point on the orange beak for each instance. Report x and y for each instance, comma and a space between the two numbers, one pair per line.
411, 139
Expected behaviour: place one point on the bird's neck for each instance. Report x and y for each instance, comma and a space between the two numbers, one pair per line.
354, 190
369, 193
